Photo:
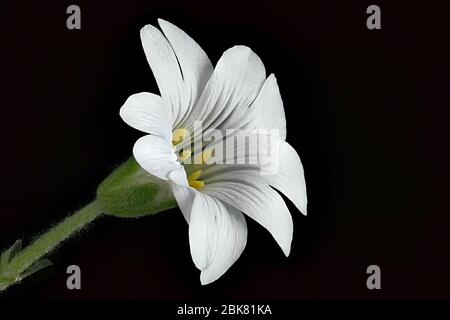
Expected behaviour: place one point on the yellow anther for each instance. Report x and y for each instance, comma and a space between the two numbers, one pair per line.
207, 154
185, 154
179, 135
197, 184
193, 180
195, 175
203, 157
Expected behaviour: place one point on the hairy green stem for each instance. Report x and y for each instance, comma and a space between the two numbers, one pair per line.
13, 268
128, 192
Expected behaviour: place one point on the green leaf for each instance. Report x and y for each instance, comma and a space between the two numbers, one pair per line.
35, 267
6, 256
9, 275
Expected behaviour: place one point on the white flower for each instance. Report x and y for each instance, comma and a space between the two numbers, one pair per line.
213, 197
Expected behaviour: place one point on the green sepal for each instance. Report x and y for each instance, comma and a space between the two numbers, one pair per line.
131, 192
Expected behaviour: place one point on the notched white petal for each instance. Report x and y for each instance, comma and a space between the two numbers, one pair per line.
149, 113
234, 84
251, 195
164, 64
195, 65
231, 242
267, 111
289, 178
217, 236
155, 155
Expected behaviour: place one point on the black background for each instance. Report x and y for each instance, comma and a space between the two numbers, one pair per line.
367, 111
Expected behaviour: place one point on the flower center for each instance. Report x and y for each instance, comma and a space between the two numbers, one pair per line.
179, 136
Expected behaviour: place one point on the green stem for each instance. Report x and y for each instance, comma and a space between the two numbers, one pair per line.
27, 261
128, 192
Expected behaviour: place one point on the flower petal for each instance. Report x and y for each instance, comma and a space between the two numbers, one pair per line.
195, 65
164, 64
234, 84
247, 147
184, 195
217, 236
267, 111
273, 160
289, 177
251, 195
149, 113
155, 155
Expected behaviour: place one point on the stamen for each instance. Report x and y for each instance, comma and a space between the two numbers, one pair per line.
185, 154
179, 135
203, 157
197, 184
207, 154
193, 180
195, 175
